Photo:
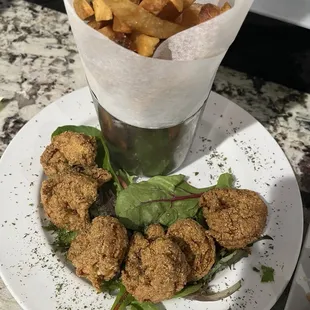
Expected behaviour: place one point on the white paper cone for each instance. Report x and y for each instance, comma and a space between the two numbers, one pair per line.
149, 92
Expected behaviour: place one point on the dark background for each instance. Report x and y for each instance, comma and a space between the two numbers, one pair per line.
266, 48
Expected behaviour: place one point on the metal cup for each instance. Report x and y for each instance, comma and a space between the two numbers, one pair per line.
147, 151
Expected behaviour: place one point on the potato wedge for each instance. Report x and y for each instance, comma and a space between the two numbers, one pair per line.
208, 11
96, 25
190, 16
153, 6
144, 45
83, 9
187, 3
120, 26
143, 21
117, 37
108, 32
172, 10
102, 11
226, 6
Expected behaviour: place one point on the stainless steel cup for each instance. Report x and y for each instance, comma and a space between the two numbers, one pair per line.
147, 151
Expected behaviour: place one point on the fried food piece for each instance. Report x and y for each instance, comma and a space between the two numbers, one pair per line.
83, 9
98, 252
102, 11
117, 37
73, 151
190, 16
153, 6
154, 231
66, 199
197, 245
154, 270
141, 20
96, 25
157, 6
226, 6
144, 45
120, 26
236, 217
53, 161
208, 11
77, 148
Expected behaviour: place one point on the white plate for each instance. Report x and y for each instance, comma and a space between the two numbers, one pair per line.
301, 281
227, 137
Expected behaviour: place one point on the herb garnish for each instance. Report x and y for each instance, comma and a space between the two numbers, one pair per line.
267, 274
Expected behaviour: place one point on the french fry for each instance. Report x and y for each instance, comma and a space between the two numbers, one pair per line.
172, 10
108, 32
102, 11
190, 16
83, 9
153, 6
187, 3
144, 45
141, 20
120, 26
96, 25
208, 11
226, 6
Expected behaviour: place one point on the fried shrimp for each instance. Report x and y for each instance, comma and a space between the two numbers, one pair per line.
154, 231
236, 217
154, 270
71, 151
97, 253
197, 245
66, 199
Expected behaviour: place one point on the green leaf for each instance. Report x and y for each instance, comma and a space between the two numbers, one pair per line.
206, 295
111, 286
63, 237
267, 274
135, 305
157, 200
188, 290
227, 261
161, 199
122, 300
226, 180
103, 155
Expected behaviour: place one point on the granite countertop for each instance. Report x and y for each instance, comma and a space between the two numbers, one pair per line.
39, 63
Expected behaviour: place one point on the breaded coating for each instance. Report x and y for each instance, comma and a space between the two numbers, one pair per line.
197, 245
66, 199
236, 217
154, 231
155, 270
71, 151
100, 175
78, 149
53, 161
98, 252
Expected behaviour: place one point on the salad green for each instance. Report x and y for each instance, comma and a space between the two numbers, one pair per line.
161, 199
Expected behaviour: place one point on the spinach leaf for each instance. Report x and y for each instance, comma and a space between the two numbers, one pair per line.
188, 290
226, 261
123, 299
161, 199
267, 274
205, 295
226, 180
103, 155
111, 286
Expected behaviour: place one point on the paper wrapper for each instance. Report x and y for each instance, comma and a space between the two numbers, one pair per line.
163, 91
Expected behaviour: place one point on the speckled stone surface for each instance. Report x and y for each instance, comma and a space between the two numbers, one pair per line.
39, 63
